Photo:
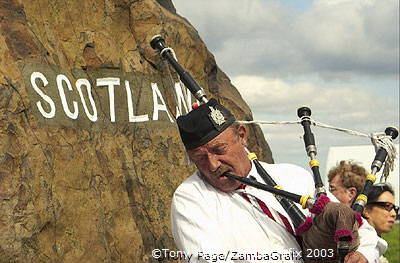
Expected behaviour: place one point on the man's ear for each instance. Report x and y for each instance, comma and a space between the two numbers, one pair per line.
352, 192
242, 132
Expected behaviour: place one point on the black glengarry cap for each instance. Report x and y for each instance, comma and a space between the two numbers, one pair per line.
203, 124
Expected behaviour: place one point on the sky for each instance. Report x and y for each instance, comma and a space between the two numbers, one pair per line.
340, 58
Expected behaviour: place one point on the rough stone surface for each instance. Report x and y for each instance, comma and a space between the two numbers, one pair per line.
77, 190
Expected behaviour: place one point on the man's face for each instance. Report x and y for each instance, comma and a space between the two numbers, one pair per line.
339, 191
224, 153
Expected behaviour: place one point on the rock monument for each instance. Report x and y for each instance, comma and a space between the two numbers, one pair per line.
89, 149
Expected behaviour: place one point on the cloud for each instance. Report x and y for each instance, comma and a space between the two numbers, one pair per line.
332, 38
350, 105
350, 36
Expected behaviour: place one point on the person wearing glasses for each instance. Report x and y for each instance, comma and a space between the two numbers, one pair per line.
346, 181
380, 211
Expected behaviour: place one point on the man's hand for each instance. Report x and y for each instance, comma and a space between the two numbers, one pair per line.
355, 257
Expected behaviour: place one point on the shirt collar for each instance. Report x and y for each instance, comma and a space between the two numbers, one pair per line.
254, 173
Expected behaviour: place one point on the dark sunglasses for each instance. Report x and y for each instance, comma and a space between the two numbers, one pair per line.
387, 206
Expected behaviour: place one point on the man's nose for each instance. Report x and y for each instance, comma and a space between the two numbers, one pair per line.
213, 162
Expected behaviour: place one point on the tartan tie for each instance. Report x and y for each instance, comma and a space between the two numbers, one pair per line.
283, 220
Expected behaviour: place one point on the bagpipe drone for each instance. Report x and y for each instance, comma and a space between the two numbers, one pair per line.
332, 226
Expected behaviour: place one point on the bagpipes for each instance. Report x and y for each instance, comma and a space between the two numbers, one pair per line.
331, 233
376, 166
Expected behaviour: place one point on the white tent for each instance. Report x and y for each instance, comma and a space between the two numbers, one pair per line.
364, 155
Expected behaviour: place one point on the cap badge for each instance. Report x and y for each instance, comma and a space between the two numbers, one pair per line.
217, 116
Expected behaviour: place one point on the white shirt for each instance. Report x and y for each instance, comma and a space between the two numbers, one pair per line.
208, 223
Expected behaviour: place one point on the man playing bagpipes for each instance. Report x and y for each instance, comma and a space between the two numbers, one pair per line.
215, 217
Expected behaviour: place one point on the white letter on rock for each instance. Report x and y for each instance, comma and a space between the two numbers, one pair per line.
181, 100
132, 117
110, 82
48, 115
85, 82
60, 79
158, 107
